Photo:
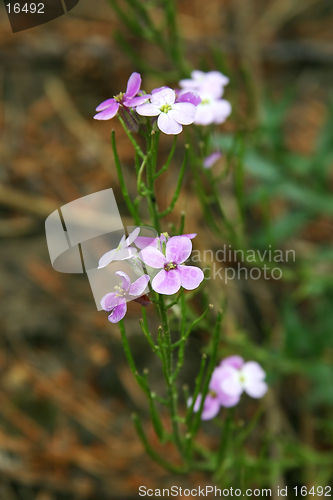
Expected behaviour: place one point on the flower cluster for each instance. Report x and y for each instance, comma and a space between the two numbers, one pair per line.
115, 302
229, 380
210, 87
199, 101
163, 253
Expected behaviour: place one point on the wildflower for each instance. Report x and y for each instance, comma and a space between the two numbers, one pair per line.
170, 115
200, 80
122, 252
129, 99
173, 274
211, 159
228, 381
237, 376
211, 109
116, 301
211, 406
209, 86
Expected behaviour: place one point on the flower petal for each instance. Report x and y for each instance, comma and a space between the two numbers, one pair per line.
164, 96
133, 85
124, 254
257, 389
205, 114
118, 312
106, 258
125, 281
234, 361
166, 282
253, 376
210, 409
105, 104
191, 97
253, 371
109, 112
132, 236
197, 74
189, 83
132, 102
210, 160
222, 110
178, 249
190, 276
122, 242
109, 301
152, 257
228, 401
158, 89
138, 287
230, 382
168, 125
217, 77
148, 109
145, 241
183, 112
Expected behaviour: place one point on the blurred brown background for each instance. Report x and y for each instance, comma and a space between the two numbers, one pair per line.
66, 392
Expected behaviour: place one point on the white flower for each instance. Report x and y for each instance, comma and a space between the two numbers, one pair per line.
122, 252
210, 87
171, 115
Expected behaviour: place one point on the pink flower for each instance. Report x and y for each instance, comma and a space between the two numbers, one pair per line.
211, 159
211, 406
116, 302
234, 376
228, 381
173, 274
170, 115
209, 86
212, 110
129, 99
201, 80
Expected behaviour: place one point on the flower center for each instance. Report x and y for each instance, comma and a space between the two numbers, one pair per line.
119, 97
212, 394
165, 108
169, 266
205, 101
120, 292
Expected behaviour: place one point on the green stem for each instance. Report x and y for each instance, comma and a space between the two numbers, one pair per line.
123, 187
139, 180
131, 138
151, 452
167, 164
152, 202
178, 187
211, 366
148, 336
140, 380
